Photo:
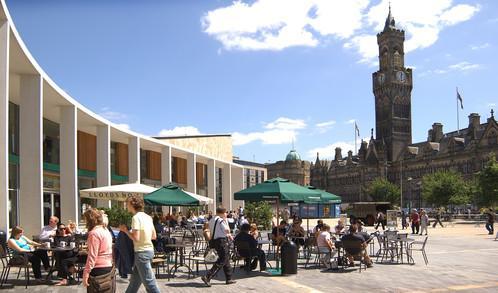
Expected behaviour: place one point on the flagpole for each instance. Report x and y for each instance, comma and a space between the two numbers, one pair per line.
458, 114
355, 146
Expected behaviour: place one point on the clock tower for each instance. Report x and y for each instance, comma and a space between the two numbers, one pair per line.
392, 86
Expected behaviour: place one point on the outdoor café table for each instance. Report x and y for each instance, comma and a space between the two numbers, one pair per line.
403, 242
54, 251
179, 247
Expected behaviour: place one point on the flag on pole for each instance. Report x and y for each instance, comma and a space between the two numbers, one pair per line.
459, 98
357, 130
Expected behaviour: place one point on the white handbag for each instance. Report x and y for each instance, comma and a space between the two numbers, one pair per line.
211, 255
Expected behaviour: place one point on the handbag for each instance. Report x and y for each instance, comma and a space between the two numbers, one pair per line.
104, 283
211, 255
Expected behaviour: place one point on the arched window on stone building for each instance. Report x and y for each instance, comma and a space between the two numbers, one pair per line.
397, 59
401, 107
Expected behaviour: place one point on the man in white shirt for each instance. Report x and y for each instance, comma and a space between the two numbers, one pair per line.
220, 233
48, 231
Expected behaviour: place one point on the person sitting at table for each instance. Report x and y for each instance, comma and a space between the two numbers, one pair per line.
355, 236
325, 246
206, 232
22, 246
296, 233
48, 231
157, 224
244, 236
65, 260
278, 233
254, 231
318, 227
72, 228
339, 228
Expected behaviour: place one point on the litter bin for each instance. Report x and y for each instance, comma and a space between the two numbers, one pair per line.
288, 254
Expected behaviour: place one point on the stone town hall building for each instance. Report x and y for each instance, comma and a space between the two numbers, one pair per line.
391, 153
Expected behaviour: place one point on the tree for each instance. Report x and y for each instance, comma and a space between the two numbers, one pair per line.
383, 190
444, 188
117, 216
487, 179
259, 212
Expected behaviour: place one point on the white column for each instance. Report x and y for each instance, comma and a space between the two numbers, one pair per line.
69, 164
237, 185
103, 160
191, 166
134, 159
211, 183
166, 165
4, 126
165, 170
30, 152
227, 187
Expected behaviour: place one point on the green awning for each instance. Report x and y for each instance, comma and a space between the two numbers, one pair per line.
172, 195
325, 197
277, 188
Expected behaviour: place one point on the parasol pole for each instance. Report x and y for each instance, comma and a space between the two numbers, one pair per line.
278, 230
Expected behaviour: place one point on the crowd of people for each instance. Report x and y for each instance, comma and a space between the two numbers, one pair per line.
134, 246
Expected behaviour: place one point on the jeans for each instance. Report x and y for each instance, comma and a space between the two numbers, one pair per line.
490, 228
142, 273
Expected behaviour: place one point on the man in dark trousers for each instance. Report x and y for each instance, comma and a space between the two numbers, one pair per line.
220, 233
254, 251
490, 222
439, 212
380, 220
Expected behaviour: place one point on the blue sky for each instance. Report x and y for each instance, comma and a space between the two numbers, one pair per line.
270, 72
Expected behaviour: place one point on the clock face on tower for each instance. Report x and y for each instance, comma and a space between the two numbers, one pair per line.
400, 76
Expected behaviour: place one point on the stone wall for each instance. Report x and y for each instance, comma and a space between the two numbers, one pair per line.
219, 147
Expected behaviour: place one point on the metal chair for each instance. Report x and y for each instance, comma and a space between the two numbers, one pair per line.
355, 249
422, 244
242, 251
6, 257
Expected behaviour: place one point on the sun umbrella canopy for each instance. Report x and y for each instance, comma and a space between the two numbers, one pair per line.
117, 192
172, 195
325, 197
276, 188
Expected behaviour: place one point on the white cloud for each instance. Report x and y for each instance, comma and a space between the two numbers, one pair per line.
281, 131
180, 131
286, 123
280, 24
323, 127
480, 47
350, 121
328, 151
123, 126
112, 115
463, 66
491, 105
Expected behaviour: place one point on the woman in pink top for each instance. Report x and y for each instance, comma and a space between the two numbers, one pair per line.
99, 261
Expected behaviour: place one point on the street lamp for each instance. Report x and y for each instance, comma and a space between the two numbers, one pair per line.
409, 179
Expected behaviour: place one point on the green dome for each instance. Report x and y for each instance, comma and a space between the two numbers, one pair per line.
293, 156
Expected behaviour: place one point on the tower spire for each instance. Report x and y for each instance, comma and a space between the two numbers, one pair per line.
390, 23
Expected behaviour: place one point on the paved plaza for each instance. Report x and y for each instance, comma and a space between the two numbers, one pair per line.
461, 258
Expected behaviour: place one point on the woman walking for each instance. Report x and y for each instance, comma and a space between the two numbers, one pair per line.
424, 222
142, 233
98, 272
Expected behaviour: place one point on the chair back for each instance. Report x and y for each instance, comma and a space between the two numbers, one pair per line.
403, 236
242, 248
352, 247
425, 242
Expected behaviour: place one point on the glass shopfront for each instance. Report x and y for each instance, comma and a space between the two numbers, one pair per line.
51, 196
13, 195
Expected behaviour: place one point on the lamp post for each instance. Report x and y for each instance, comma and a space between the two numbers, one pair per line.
409, 179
